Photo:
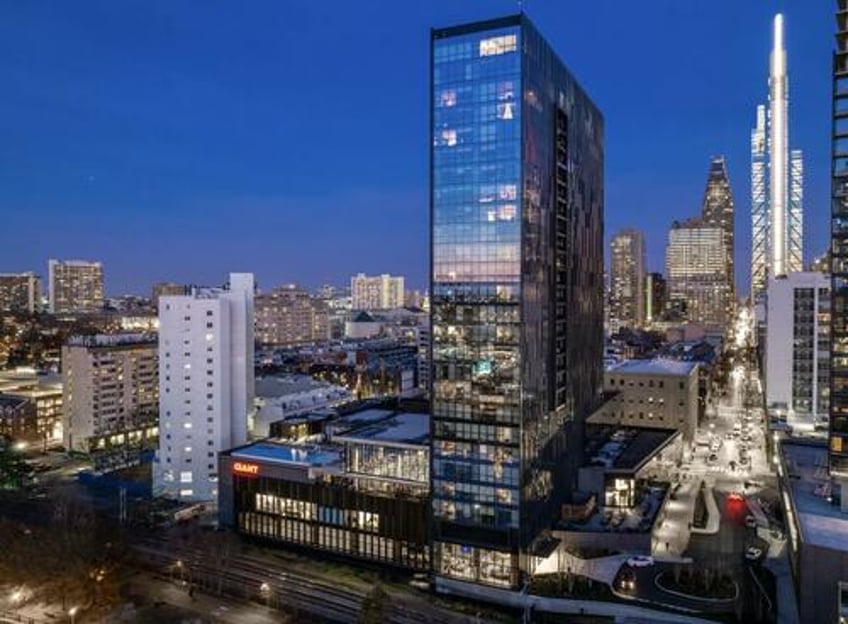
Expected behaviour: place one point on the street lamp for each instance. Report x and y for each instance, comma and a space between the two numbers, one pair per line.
179, 566
72, 613
265, 590
16, 596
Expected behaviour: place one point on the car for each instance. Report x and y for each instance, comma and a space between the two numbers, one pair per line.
640, 561
752, 553
627, 581
713, 458
743, 461
750, 522
736, 496
728, 435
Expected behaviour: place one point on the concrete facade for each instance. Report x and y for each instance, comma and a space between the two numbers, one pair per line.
206, 385
110, 389
75, 286
659, 393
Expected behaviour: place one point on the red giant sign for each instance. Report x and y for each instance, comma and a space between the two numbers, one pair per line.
243, 469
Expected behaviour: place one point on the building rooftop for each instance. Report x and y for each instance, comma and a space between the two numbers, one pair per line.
821, 523
402, 428
278, 386
113, 340
625, 448
354, 420
13, 402
363, 317
654, 366
280, 453
29, 382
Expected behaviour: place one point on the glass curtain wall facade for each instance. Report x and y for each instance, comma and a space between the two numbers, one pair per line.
839, 250
517, 293
759, 207
718, 211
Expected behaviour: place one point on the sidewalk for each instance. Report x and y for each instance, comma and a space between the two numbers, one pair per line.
787, 606
713, 515
671, 538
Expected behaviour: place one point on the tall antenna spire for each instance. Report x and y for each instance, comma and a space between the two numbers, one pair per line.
779, 152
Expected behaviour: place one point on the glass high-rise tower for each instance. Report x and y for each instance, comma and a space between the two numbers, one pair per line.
718, 211
777, 181
838, 442
627, 280
517, 294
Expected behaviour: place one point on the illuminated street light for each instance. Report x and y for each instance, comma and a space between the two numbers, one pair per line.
17, 596
265, 590
20, 446
72, 613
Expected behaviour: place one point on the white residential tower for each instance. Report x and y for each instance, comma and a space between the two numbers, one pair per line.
206, 385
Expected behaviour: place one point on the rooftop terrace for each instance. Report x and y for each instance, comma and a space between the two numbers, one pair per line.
267, 451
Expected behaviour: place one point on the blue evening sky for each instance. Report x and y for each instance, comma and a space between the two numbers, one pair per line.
179, 140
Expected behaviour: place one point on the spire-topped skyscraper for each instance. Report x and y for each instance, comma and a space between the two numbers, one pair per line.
776, 181
717, 211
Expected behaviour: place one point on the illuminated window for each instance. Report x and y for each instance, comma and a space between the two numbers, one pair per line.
185, 476
186, 492
506, 213
448, 98
498, 45
505, 111
449, 137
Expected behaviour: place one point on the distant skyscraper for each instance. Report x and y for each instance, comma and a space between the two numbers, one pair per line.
380, 292
839, 255
777, 179
206, 385
19, 292
627, 280
517, 294
75, 286
655, 296
696, 268
718, 211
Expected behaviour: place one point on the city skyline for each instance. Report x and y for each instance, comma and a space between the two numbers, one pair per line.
190, 142
552, 428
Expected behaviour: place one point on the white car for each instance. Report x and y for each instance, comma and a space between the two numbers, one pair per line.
751, 522
640, 561
753, 553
